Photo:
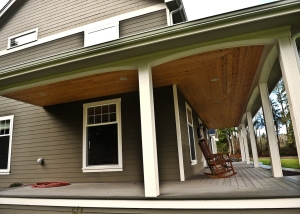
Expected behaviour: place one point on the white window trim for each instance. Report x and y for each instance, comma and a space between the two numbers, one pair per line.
193, 162
35, 30
102, 168
11, 118
102, 27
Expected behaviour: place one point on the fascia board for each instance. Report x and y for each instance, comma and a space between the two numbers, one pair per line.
159, 35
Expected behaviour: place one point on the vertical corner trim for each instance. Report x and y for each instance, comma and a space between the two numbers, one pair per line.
178, 133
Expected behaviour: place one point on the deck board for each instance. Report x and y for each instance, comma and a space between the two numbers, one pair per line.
250, 182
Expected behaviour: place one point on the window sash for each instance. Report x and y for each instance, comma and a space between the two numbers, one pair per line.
191, 136
10, 134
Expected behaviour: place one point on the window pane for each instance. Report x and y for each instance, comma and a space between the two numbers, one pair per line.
98, 110
102, 145
7, 124
105, 109
91, 111
189, 116
97, 119
192, 144
112, 108
112, 117
2, 127
105, 118
91, 120
4, 145
23, 39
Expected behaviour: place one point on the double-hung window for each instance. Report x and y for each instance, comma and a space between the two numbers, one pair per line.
6, 130
102, 137
191, 134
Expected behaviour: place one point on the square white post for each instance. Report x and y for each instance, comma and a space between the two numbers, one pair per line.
245, 144
252, 139
151, 180
273, 146
242, 145
291, 78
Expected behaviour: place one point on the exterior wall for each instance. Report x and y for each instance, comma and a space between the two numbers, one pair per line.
43, 50
10, 209
143, 23
53, 17
189, 170
55, 133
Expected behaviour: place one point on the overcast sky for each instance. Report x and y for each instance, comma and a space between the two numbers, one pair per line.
197, 9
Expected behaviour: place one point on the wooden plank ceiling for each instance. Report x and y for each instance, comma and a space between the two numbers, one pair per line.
218, 103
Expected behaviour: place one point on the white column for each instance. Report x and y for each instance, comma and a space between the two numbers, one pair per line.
151, 180
273, 146
291, 77
245, 144
252, 139
213, 145
241, 145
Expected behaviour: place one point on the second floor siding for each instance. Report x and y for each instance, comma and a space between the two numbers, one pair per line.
55, 16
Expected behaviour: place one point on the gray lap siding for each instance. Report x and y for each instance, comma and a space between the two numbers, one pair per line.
55, 133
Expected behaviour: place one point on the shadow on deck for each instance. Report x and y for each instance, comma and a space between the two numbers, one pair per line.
249, 183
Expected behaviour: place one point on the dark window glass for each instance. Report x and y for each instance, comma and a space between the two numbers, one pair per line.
105, 109
91, 111
112, 108
102, 145
4, 145
98, 110
105, 118
192, 144
91, 120
113, 117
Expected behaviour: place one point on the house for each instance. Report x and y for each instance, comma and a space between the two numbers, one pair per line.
137, 77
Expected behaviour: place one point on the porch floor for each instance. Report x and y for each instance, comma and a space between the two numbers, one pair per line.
249, 183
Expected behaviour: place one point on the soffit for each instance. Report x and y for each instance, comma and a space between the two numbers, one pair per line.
219, 104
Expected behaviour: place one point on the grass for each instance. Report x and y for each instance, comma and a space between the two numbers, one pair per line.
285, 162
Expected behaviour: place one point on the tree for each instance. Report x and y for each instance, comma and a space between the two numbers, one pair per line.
277, 117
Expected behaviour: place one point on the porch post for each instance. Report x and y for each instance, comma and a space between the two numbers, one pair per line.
245, 144
151, 180
273, 146
291, 78
241, 144
252, 139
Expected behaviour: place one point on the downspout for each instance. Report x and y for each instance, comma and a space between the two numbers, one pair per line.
174, 11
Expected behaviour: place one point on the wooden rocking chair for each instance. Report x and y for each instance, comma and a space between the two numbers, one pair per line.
219, 164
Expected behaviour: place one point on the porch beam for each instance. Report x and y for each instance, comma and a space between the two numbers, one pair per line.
291, 77
245, 143
150, 166
252, 139
273, 146
241, 144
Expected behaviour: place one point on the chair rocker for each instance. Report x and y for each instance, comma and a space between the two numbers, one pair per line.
219, 164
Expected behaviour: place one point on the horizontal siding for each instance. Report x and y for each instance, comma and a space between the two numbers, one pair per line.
55, 133
40, 51
143, 23
55, 16
189, 170
11, 209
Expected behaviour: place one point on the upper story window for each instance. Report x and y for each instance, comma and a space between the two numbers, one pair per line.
191, 135
6, 130
102, 139
22, 38
101, 34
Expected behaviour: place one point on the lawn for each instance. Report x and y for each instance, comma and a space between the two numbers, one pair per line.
285, 162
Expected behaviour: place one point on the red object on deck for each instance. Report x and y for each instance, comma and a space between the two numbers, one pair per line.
50, 184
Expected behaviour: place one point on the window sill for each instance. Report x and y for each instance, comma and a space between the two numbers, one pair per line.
194, 162
4, 173
102, 169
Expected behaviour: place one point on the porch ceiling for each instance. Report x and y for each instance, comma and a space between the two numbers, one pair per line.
219, 104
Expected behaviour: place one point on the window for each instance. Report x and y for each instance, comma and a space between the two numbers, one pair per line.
191, 134
101, 34
102, 138
6, 130
22, 38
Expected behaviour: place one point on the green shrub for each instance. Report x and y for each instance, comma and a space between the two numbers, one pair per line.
15, 185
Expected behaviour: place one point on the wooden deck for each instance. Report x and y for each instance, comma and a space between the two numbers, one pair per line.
249, 183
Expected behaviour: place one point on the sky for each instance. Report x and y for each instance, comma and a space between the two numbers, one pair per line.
196, 9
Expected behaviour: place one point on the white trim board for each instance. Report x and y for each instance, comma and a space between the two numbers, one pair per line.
87, 27
236, 204
178, 133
